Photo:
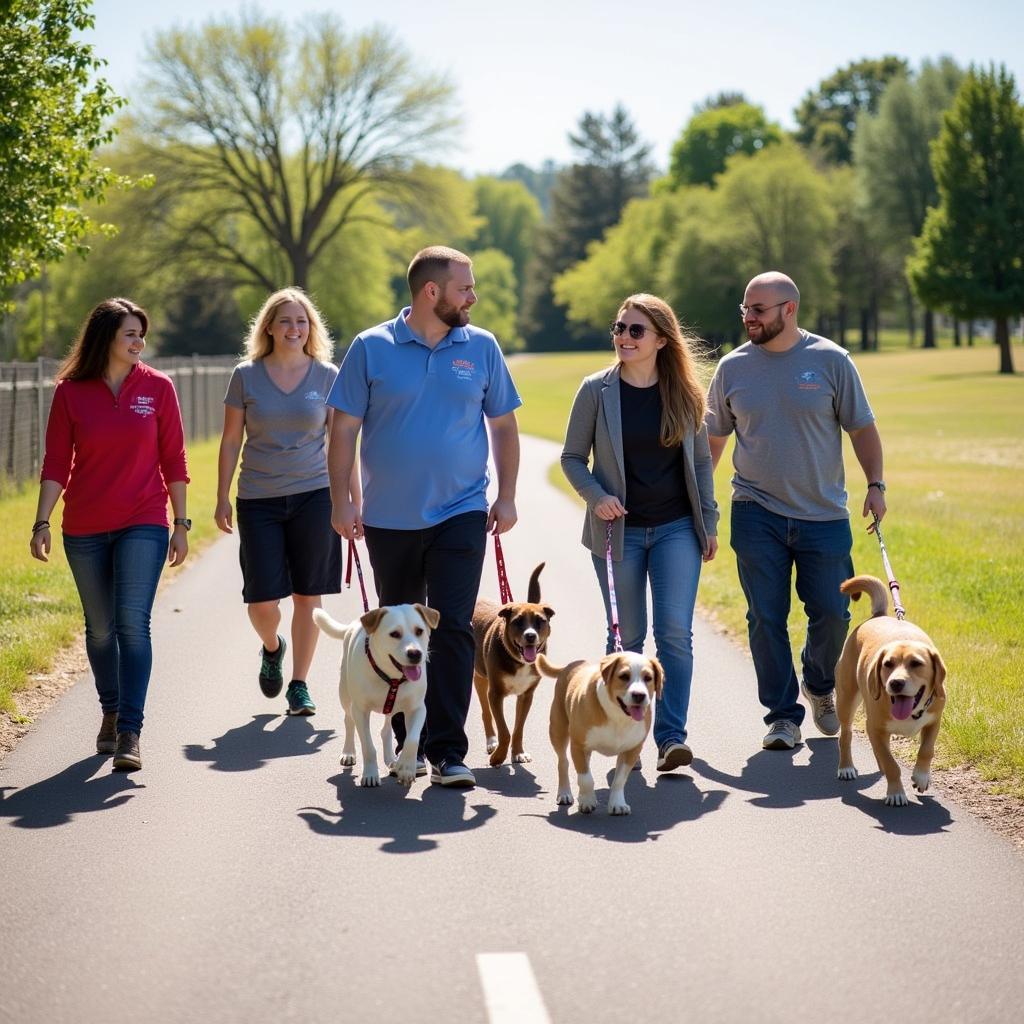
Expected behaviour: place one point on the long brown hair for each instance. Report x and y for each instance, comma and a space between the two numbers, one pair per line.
91, 349
259, 343
682, 397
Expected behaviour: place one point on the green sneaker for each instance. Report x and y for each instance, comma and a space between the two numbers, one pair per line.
299, 702
271, 676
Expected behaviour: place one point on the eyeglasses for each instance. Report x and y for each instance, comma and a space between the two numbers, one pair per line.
636, 331
760, 310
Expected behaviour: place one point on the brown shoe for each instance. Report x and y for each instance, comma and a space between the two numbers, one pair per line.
127, 757
106, 738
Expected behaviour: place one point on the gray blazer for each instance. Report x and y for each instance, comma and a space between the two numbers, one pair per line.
595, 424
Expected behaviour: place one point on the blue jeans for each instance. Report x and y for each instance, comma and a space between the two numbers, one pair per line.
768, 546
116, 574
670, 557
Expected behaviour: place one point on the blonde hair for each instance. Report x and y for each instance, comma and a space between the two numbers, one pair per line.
682, 397
260, 344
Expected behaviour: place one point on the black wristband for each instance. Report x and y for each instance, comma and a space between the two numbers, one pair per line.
41, 524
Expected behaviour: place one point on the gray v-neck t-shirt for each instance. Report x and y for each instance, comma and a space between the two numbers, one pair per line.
285, 449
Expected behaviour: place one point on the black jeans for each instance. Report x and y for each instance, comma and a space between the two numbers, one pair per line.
439, 566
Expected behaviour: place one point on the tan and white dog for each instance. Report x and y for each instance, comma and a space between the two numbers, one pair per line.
603, 707
894, 667
383, 669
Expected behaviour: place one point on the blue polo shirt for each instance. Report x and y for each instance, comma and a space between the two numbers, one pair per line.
424, 447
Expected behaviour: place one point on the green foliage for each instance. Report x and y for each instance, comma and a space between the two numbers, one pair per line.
827, 115
52, 114
511, 215
539, 182
968, 259
712, 136
202, 317
498, 302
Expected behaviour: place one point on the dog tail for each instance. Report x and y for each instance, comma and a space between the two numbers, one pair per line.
533, 592
328, 625
547, 669
873, 587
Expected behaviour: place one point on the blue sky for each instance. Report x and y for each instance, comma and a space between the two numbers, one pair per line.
525, 71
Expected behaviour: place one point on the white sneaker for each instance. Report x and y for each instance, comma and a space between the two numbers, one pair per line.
823, 709
783, 735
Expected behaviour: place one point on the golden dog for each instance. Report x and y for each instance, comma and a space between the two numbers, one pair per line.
604, 707
894, 667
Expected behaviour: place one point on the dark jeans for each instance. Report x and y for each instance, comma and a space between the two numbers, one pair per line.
768, 547
439, 566
116, 574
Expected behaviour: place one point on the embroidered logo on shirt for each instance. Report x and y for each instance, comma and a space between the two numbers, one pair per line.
808, 381
312, 396
143, 405
463, 369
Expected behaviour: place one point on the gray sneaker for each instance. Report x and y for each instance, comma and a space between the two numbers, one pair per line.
823, 709
783, 735
452, 773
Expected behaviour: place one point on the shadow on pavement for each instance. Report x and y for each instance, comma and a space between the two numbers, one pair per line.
512, 780
386, 812
75, 790
920, 817
655, 809
253, 745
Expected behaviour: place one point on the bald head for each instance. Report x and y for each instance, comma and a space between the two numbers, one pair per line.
777, 284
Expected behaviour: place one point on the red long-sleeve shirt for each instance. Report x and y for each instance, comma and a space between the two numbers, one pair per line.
115, 456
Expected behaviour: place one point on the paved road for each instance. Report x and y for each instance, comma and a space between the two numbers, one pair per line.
243, 876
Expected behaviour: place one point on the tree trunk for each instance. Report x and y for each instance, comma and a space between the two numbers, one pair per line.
865, 329
911, 322
929, 329
970, 334
956, 332
1003, 341
874, 323
840, 337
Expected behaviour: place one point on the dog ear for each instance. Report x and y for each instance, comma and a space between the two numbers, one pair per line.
659, 677
548, 611
609, 666
505, 612
875, 675
371, 620
938, 675
431, 616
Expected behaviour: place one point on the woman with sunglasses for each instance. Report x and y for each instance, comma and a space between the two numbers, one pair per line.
643, 421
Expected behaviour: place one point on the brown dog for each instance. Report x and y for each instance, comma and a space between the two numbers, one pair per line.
508, 640
604, 707
895, 669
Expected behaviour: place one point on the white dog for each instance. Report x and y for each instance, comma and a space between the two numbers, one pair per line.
383, 669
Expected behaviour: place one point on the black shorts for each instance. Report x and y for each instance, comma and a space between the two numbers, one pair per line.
288, 546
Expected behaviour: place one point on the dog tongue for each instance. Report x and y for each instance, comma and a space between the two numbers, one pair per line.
901, 708
411, 672
636, 713
530, 653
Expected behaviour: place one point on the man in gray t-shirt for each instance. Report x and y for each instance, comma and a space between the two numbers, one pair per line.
788, 395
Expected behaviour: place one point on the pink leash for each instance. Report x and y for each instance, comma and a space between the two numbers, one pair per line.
503, 588
353, 554
616, 635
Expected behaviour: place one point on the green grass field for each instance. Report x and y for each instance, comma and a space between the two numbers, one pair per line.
955, 533
954, 458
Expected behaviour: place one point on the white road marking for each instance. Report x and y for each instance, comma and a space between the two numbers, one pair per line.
510, 989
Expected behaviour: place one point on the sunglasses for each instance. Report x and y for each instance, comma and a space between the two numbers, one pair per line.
636, 331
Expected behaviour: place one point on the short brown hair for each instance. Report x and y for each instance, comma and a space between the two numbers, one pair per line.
433, 264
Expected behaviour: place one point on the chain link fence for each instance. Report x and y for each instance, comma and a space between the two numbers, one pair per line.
26, 390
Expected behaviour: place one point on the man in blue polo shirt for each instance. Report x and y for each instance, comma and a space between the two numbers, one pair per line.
420, 387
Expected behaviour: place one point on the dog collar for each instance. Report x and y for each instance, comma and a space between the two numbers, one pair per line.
393, 684
918, 714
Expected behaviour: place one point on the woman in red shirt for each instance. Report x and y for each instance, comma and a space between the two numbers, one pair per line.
116, 448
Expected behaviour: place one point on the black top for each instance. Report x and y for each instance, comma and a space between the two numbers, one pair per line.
655, 475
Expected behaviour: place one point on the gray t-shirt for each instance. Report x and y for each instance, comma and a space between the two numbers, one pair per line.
285, 433
787, 409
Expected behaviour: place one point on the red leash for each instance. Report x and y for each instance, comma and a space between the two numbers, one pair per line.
616, 635
354, 554
503, 588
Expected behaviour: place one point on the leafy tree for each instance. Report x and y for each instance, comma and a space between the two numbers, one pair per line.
285, 137
724, 98
52, 114
613, 166
827, 115
712, 136
498, 304
510, 216
539, 182
892, 157
968, 259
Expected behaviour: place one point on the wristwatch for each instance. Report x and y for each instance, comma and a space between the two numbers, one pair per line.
880, 484
187, 523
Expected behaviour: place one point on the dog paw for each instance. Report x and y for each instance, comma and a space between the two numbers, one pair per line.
498, 757
897, 799
405, 773
846, 772
564, 798
492, 744
921, 781
588, 804
348, 760
522, 757
369, 779
619, 807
